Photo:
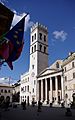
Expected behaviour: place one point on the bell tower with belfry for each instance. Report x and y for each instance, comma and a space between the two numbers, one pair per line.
38, 54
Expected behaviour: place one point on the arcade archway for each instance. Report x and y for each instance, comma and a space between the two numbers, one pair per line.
8, 98
1, 99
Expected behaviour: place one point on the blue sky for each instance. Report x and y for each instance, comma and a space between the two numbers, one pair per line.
58, 16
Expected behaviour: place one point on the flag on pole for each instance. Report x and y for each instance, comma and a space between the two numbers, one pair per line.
11, 42
15, 37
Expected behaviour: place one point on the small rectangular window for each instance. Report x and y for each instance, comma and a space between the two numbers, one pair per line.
25, 88
65, 69
33, 90
28, 88
72, 64
34, 82
74, 75
32, 66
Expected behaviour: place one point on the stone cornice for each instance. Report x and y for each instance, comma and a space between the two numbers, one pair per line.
68, 59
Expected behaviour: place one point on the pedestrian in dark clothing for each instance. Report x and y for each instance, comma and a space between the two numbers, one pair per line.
6, 105
33, 103
24, 105
39, 106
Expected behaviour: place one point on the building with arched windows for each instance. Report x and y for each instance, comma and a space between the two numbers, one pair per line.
6, 92
44, 83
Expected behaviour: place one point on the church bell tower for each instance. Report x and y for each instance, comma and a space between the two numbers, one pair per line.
38, 53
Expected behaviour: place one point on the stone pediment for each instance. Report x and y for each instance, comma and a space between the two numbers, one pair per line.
47, 71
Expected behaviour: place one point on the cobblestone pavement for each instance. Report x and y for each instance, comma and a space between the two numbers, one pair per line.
31, 113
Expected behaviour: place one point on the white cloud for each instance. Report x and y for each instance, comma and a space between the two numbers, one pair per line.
18, 17
4, 80
7, 80
60, 35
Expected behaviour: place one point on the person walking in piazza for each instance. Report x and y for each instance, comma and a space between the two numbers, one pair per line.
67, 106
39, 106
24, 105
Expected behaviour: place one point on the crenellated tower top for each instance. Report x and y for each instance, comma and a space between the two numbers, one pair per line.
40, 26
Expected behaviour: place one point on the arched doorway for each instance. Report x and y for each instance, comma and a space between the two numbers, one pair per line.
8, 99
1, 99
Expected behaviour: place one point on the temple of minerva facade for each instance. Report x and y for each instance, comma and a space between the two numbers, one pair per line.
50, 84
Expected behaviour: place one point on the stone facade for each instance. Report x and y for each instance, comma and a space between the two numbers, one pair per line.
25, 88
16, 91
6, 92
48, 84
69, 76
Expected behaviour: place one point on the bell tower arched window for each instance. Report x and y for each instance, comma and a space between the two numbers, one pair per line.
34, 48
40, 36
40, 47
44, 49
35, 36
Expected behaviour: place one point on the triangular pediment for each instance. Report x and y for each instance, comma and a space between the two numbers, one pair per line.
47, 71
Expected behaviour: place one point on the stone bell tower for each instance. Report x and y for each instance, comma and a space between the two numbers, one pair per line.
38, 53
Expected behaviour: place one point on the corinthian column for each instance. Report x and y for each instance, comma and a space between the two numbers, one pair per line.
41, 90
56, 86
45, 89
37, 90
51, 91
62, 88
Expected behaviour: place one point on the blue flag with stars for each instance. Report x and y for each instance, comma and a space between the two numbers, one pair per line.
15, 36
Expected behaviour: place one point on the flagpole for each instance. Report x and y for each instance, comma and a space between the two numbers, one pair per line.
9, 81
26, 14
